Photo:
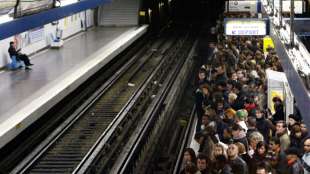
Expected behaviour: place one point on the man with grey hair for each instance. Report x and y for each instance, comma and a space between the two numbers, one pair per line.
253, 139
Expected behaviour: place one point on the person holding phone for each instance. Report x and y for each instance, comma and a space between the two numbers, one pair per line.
19, 56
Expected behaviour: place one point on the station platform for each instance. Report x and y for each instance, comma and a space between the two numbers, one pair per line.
27, 94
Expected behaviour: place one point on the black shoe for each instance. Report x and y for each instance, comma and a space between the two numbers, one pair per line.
30, 64
20, 67
27, 68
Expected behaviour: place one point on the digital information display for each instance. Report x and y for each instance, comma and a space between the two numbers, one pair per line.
245, 27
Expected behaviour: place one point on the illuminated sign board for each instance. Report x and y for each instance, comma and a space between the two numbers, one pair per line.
246, 27
243, 6
299, 6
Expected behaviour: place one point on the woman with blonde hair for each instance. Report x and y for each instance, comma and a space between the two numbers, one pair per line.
218, 149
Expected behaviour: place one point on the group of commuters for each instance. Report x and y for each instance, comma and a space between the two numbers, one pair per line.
235, 131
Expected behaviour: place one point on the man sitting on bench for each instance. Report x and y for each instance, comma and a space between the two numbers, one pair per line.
19, 56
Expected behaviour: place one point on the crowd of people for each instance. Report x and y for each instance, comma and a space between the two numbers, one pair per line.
235, 131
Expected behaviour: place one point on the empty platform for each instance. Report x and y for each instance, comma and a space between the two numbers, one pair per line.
27, 95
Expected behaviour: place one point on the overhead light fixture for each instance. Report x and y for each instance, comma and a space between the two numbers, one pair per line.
67, 2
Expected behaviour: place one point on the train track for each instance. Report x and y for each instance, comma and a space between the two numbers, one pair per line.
107, 153
136, 157
105, 116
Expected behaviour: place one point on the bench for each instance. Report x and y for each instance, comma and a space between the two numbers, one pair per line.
15, 64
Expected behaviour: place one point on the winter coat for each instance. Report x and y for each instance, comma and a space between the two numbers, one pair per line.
279, 114
264, 127
201, 101
296, 168
296, 142
306, 163
282, 163
254, 162
239, 166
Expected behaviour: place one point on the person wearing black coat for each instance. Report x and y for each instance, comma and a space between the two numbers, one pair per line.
238, 165
263, 125
241, 96
258, 157
251, 123
297, 136
13, 52
279, 110
220, 73
221, 166
201, 78
202, 100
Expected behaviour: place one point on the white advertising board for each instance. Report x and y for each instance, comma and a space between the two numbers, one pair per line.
242, 6
36, 35
239, 27
286, 8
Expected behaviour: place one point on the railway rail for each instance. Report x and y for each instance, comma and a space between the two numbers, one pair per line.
98, 129
138, 155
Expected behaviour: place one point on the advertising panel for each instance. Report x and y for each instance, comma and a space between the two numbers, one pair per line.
36, 35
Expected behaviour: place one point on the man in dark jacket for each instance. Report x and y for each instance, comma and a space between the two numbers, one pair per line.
281, 166
203, 163
237, 164
263, 125
240, 101
220, 73
279, 110
251, 123
203, 100
13, 52
293, 161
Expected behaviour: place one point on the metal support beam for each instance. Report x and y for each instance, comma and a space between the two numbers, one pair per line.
292, 15
29, 22
280, 13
